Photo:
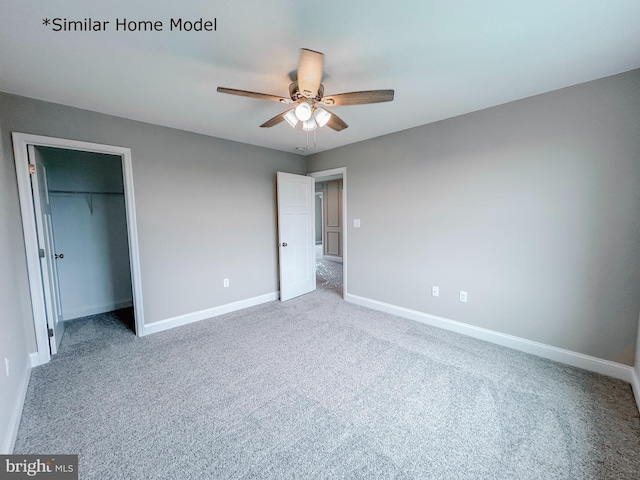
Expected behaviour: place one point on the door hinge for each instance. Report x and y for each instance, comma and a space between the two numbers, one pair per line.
50, 332
32, 169
41, 252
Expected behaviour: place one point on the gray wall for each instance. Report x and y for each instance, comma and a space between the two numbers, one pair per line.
531, 207
185, 185
205, 208
17, 339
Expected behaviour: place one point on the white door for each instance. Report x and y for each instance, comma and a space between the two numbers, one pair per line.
296, 235
46, 244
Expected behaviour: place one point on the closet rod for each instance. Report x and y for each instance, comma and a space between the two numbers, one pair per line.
80, 192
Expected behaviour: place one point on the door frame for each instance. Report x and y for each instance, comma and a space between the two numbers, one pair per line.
334, 174
20, 153
321, 195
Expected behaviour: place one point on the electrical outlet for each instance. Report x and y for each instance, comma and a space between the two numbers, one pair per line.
6, 364
463, 296
435, 291
225, 283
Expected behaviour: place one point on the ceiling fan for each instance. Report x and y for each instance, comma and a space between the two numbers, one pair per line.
307, 100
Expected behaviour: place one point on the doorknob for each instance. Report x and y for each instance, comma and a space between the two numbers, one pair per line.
284, 244
59, 256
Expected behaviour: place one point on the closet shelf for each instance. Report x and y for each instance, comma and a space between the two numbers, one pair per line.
83, 192
87, 194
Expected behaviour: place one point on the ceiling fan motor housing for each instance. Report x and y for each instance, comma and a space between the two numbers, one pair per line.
296, 95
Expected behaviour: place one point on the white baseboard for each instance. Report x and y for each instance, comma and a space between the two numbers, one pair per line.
9, 440
34, 360
635, 385
575, 359
80, 312
331, 258
180, 320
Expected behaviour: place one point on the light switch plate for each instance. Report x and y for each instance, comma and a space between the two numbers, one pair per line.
356, 223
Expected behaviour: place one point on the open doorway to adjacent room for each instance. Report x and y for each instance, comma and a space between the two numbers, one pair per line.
330, 248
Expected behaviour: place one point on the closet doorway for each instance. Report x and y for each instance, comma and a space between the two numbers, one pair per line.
76, 202
86, 194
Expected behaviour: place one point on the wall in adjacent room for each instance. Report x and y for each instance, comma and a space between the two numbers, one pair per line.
332, 218
531, 207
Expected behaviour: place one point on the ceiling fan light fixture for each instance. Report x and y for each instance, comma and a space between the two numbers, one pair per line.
291, 118
303, 111
321, 116
309, 125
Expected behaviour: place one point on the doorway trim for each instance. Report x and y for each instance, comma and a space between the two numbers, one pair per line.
320, 195
20, 143
334, 174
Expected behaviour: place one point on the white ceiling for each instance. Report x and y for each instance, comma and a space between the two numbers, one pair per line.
443, 58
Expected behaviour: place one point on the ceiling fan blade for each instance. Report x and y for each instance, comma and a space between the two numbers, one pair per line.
335, 122
309, 72
275, 120
358, 98
246, 93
